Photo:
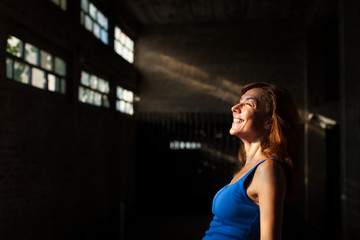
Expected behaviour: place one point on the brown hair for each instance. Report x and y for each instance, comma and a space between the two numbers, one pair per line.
282, 140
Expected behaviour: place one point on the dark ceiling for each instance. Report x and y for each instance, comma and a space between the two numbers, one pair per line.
194, 55
191, 11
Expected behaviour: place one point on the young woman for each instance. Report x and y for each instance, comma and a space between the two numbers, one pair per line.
251, 205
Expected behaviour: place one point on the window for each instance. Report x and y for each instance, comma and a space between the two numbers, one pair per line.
33, 66
124, 101
94, 20
181, 145
94, 90
61, 3
123, 45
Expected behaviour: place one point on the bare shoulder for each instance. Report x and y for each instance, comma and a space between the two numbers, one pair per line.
269, 182
270, 171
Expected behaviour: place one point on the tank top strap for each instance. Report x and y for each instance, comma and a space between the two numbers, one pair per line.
251, 170
243, 179
261, 163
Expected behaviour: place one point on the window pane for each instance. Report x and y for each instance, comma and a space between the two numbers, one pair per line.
118, 47
82, 94
126, 54
85, 5
119, 91
46, 60
62, 86
101, 19
124, 102
88, 23
38, 78
97, 99
127, 42
82, 16
106, 88
130, 97
118, 105
63, 4
60, 66
106, 102
96, 30
117, 33
85, 78
52, 83
123, 45
92, 11
122, 106
103, 86
123, 38
131, 110
9, 68
21, 72
14, 46
131, 57
130, 44
124, 95
105, 23
128, 109
104, 36
86, 95
31, 54
43, 76
96, 92
89, 96
93, 82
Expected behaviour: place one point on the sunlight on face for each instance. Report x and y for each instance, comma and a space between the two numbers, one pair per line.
249, 116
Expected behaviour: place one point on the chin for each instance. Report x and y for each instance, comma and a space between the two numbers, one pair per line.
234, 133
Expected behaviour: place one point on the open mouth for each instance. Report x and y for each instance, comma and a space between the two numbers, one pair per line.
237, 120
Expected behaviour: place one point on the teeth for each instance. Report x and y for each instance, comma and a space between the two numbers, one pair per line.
237, 120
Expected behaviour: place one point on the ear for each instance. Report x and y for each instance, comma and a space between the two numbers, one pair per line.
268, 123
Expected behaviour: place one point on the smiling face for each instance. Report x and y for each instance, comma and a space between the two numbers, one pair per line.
250, 120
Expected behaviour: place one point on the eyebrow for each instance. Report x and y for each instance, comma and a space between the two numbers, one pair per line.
249, 98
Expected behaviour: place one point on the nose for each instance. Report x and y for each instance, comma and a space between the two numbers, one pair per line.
236, 108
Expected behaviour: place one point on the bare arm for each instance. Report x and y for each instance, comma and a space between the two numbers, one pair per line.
270, 184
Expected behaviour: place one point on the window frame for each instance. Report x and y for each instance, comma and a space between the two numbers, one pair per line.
59, 81
123, 101
124, 44
88, 88
86, 14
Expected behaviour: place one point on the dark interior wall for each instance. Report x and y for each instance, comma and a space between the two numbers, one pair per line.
350, 116
63, 166
208, 64
66, 167
174, 188
333, 89
191, 177
322, 205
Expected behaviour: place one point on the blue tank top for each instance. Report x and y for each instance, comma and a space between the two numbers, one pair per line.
236, 217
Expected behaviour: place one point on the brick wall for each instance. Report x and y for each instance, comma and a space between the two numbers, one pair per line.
65, 166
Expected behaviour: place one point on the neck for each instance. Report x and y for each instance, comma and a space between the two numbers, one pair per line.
253, 151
